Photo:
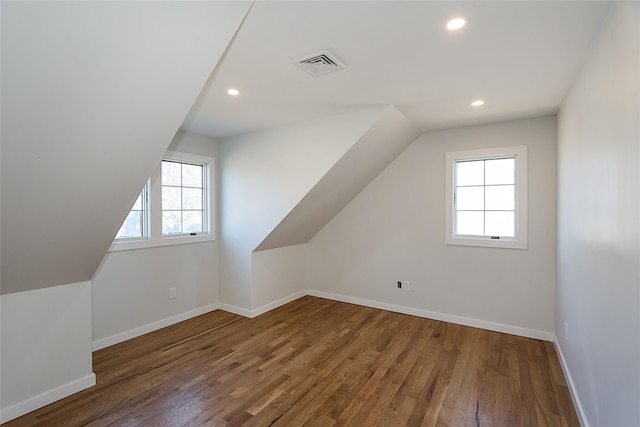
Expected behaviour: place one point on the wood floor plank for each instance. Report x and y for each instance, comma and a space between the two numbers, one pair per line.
316, 362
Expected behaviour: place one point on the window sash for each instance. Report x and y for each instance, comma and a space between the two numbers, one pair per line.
480, 183
143, 215
495, 235
176, 218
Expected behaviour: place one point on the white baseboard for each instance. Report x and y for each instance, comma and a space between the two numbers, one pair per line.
582, 417
150, 327
235, 310
282, 301
482, 324
261, 310
43, 399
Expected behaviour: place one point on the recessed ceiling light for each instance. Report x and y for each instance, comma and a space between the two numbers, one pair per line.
456, 24
477, 103
233, 92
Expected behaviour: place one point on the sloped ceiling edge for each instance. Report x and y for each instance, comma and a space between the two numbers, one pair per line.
373, 152
92, 94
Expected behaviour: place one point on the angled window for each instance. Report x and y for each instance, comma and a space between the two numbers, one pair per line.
135, 225
487, 198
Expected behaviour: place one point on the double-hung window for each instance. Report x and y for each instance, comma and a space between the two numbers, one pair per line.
175, 207
487, 198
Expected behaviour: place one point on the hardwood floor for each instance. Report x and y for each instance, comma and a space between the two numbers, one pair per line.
318, 362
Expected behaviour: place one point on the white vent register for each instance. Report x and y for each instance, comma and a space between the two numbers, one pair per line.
319, 63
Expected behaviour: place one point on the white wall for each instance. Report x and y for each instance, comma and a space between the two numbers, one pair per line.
390, 135
81, 138
394, 230
263, 176
598, 293
45, 347
276, 274
131, 288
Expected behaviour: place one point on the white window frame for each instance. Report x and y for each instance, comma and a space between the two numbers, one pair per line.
144, 198
155, 237
520, 239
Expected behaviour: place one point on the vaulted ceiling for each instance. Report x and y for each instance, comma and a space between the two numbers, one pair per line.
93, 92
520, 57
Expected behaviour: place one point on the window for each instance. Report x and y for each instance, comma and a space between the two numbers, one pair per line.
182, 197
135, 225
175, 207
487, 198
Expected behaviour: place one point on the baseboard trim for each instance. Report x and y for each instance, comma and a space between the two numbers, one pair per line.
46, 398
273, 305
459, 320
582, 417
265, 308
482, 324
150, 327
235, 310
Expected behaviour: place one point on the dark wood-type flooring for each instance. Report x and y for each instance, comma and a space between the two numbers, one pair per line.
318, 362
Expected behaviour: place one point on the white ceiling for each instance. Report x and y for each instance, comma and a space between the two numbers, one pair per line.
520, 57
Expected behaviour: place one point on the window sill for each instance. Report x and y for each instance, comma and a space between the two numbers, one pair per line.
129, 245
486, 243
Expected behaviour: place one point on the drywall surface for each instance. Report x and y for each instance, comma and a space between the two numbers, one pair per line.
374, 151
131, 288
45, 342
92, 94
598, 295
278, 273
194, 143
394, 231
263, 176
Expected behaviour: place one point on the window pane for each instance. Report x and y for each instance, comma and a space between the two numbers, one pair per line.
192, 198
137, 205
171, 173
132, 226
500, 198
470, 173
500, 224
470, 223
500, 171
191, 175
182, 198
470, 198
171, 198
192, 221
171, 222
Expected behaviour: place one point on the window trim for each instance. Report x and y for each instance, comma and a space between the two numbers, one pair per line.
155, 238
520, 241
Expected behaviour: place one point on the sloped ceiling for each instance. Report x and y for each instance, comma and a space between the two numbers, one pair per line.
369, 155
92, 94
265, 175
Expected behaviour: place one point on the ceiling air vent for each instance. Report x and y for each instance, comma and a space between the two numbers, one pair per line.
319, 63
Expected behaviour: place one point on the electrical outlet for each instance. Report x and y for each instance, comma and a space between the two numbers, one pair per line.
406, 285
566, 331
172, 293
